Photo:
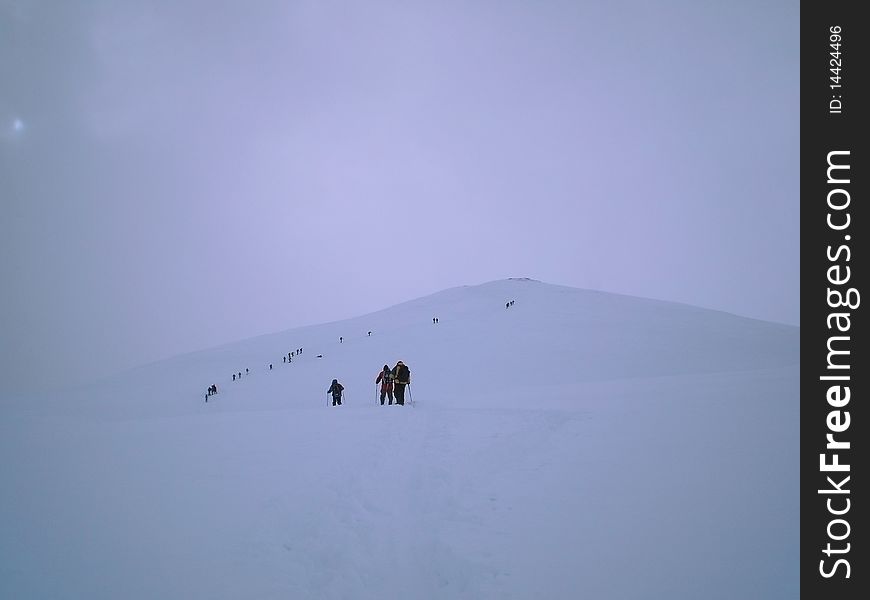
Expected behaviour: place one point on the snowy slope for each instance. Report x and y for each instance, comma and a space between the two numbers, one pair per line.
575, 445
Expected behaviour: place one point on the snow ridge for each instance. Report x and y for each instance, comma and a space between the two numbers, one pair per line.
556, 446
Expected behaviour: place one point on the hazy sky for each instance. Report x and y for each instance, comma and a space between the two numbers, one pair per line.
179, 174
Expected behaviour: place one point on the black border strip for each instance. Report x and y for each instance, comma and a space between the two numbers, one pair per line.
834, 228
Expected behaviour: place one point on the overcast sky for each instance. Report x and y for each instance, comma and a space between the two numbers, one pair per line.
179, 174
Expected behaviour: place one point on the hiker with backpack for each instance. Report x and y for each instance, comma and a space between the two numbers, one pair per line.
335, 389
385, 378
402, 377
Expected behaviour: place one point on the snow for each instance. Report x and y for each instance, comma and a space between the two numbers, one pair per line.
575, 445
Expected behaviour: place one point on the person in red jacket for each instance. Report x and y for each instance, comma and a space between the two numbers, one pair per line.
385, 378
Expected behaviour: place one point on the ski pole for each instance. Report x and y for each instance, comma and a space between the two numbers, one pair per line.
410, 395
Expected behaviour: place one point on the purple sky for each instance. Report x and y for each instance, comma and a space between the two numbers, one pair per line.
179, 174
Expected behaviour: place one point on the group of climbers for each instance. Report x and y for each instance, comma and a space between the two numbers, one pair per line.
393, 382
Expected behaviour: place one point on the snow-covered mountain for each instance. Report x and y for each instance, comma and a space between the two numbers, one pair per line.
575, 444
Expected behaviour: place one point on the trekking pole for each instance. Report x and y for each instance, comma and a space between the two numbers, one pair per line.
410, 395
376, 393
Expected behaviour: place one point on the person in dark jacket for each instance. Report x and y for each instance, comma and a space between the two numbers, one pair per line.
385, 378
402, 377
335, 389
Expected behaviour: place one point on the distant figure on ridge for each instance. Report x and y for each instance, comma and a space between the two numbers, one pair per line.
340, 339
402, 377
370, 334
234, 376
335, 389
385, 378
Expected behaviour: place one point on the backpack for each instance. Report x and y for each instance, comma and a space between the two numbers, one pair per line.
403, 373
